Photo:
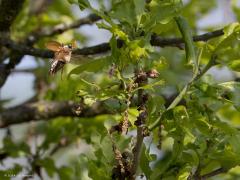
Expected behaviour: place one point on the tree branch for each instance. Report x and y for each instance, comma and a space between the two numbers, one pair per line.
44, 110
104, 47
162, 42
141, 80
60, 28
9, 10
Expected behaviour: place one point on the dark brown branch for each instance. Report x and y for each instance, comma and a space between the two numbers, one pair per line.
155, 41
60, 28
31, 70
141, 80
29, 111
9, 10
97, 49
137, 151
45, 110
159, 41
26, 50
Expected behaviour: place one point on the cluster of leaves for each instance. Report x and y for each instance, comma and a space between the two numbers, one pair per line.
196, 132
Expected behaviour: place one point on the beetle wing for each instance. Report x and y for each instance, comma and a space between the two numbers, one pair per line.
54, 45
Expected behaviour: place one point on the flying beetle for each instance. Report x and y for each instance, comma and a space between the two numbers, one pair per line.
62, 55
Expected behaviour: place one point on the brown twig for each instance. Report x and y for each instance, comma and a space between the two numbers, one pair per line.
137, 151
119, 169
31, 70
60, 28
141, 80
162, 42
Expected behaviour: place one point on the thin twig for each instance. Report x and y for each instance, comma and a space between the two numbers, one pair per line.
61, 28
160, 41
137, 150
141, 80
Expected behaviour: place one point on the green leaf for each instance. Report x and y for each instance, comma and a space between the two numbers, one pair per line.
235, 65
191, 157
184, 175
11, 173
234, 140
161, 166
202, 125
232, 89
230, 36
180, 113
227, 158
187, 37
106, 146
155, 104
15, 149
225, 127
83, 4
115, 105
48, 165
97, 170
65, 172
145, 159
160, 13
124, 11
230, 85
128, 11
210, 166
178, 98
73, 1
178, 144
150, 86
95, 65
